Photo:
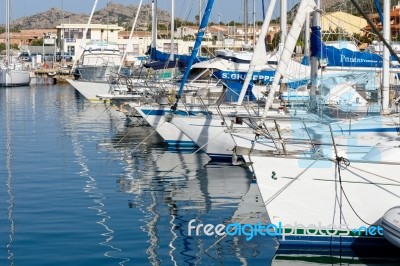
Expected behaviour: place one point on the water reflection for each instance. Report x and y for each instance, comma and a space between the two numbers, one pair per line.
85, 117
172, 187
10, 190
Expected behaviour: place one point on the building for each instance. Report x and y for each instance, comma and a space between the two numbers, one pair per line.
70, 36
25, 37
394, 23
342, 21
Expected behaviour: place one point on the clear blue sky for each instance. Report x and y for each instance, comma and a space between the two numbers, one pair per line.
187, 9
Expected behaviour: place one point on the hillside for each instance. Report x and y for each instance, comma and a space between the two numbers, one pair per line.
122, 15
113, 13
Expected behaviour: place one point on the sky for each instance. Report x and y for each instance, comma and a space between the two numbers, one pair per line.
224, 10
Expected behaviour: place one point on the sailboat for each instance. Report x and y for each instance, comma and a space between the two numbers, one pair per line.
12, 73
329, 184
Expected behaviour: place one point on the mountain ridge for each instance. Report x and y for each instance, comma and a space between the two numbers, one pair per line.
123, 15
113, 13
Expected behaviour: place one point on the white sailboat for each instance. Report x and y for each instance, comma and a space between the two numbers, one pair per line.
331, 184
12, 73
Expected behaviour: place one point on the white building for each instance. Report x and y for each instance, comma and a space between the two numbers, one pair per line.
71, 36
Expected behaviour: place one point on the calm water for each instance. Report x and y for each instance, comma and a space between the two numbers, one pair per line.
79, 187
76, 189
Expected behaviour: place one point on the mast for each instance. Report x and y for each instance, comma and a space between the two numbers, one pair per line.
314, 60
8, 60
263, 8
305, 7
172, 56
200, 15
83, 42
254, 24
386, 58
153, 30
283, 24
131, 34
259, 53
246, 20
200, 34
307, 39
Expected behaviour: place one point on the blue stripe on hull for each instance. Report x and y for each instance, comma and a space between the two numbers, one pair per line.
181, 143
162, 112
335, 241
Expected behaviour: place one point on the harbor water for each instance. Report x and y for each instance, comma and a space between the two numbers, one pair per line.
78, 186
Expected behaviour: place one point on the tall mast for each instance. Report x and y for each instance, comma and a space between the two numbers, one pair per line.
199, 38
8, 32
200, 15
283, 23
245, 18
83, 41
315, 58
307, 37
153, 30
386, 58
259, 53
254, 24
130, 35
172, 30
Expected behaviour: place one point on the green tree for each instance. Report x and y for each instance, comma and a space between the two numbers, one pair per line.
37, 42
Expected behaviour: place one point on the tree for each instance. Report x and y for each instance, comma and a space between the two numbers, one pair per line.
37, 42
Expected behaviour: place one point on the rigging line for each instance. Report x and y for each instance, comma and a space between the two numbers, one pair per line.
368, 172
288, 184
344, 193
155, 130
196, 151
343, 31
137, 124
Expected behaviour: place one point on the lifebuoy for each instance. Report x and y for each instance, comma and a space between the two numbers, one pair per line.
46, 66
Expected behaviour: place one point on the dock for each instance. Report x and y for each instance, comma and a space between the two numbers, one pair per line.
58, 75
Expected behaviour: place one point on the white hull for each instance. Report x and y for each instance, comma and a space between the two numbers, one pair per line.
90, 89
13, 78
159, 116
309, 192
209, 134
155, 116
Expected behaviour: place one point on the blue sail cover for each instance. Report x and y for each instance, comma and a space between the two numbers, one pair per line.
161, 60
162, 56
348, 58
315, 41
342, 57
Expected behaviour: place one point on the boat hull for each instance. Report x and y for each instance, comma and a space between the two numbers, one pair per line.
14, 78
335, 208
90, 89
